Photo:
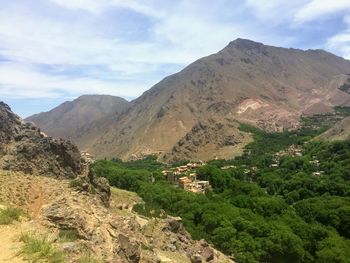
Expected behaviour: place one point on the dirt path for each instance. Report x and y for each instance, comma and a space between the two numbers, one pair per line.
35, 199
9, 244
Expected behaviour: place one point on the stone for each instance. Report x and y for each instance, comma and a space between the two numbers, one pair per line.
196, 258
174, 224
131, 250
171, 247
208, 254
70, 247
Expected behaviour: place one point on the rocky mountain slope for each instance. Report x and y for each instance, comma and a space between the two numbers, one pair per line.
113, 234
196, 113
82, 119
47, 179
23, 147
340, 131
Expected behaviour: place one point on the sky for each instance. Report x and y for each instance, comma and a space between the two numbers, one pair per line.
52, 51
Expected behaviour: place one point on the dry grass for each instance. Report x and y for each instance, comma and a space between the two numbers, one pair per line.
88, 258
68, 235
10, 214
40, 248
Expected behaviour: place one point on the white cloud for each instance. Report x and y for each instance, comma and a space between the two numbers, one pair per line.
316, 9
98, 6
341, 43
177, 36
275, 12
18, 81
178, 33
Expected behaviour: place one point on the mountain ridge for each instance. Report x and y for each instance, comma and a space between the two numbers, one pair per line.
246, 82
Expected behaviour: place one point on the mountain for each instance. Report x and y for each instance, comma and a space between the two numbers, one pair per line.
79, 120
195, 114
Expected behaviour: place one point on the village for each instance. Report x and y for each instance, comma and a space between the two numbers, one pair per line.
185, 177
295, 151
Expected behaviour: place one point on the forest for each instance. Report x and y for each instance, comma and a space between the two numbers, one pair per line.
296, 211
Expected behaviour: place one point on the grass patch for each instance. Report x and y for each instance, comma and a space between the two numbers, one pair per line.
8, 215
88, 258
40, 248
76, 183
68, 235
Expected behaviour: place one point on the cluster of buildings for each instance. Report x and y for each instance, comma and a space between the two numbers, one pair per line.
185, 177
316, 163
293, 150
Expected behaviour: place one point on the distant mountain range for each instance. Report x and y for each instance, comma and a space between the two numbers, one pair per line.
195, 114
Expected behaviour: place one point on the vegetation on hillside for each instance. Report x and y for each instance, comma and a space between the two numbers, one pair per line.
40, 248
8, 215
298, 211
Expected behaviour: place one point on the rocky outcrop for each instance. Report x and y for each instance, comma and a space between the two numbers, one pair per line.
8, 124
25, 148
93, 184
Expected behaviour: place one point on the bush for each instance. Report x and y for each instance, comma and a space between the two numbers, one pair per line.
8, 215
39, 248
76, 183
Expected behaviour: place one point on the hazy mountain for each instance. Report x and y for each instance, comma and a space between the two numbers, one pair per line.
195, 113
80, 120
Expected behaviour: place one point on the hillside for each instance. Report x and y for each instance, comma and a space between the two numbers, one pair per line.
340, 131
80, 120
195, 113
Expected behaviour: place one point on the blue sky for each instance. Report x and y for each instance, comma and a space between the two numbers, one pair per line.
56, 50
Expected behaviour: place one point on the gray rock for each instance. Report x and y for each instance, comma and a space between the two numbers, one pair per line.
70, 247
171, 247
196, 258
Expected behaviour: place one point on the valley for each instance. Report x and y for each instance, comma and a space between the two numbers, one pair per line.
243, 156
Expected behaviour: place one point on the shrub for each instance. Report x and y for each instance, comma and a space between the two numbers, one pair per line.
40, 248
8, 215
76, 183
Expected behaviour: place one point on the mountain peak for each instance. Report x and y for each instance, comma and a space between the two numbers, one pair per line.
241, 43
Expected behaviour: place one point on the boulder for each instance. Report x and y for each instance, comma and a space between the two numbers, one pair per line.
196, 258
131, 250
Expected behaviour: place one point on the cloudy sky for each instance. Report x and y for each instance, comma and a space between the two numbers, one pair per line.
55, 50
